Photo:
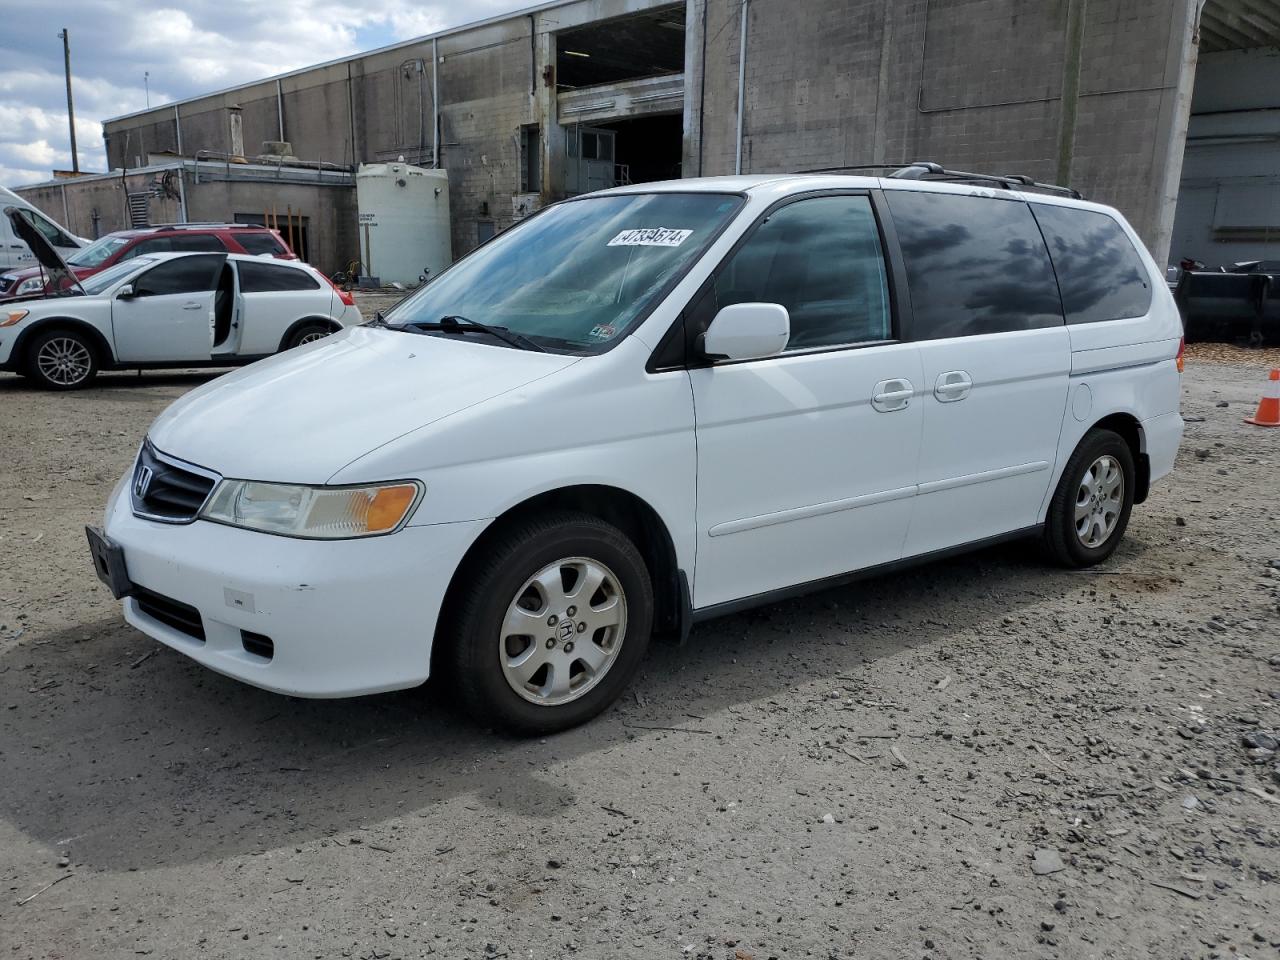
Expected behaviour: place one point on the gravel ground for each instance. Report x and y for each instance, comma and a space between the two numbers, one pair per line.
981, 758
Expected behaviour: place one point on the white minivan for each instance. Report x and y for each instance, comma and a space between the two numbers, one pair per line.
14, 250
645, 407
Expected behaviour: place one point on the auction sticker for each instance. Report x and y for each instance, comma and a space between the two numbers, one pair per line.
651, 237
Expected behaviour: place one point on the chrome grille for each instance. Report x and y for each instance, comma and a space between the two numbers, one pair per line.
169, 490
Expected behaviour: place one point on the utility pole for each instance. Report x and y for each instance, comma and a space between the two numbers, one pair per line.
146, 85
71, 109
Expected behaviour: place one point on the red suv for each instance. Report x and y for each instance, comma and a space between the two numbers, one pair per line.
166, 238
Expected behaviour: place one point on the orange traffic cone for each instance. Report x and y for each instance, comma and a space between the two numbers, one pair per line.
1268, 414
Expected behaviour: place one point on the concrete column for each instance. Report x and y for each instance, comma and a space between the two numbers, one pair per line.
695, 35
1171, 133
546, 112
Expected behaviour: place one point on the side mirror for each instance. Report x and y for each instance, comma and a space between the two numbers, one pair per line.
747, 331
126, 292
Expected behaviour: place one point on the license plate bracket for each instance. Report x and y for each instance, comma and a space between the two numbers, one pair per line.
108, 562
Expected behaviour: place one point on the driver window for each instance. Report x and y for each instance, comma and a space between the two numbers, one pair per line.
181, 275
821, 259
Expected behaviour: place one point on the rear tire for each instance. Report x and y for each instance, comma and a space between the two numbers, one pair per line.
525, 647
1090, 509
308, 333
62, 360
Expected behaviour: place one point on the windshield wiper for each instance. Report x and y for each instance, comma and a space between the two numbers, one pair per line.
378, 320
459, 324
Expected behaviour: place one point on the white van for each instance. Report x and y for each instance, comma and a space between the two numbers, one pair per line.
646, 407
14, 252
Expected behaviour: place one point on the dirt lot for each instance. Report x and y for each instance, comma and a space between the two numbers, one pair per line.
867, 772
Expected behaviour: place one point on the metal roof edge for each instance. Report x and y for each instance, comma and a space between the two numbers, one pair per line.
351, 58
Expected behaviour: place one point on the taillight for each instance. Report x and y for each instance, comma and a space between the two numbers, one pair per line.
346, 297
1182, 349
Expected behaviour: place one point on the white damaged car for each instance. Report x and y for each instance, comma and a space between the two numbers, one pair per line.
164, 310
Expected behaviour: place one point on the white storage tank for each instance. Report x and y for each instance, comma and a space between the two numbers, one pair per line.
404, 221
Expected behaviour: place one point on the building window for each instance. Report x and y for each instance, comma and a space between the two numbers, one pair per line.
530, 159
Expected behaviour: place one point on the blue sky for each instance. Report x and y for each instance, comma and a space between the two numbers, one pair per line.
201, 46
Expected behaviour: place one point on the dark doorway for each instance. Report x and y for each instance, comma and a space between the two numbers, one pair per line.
614, 153
649, 44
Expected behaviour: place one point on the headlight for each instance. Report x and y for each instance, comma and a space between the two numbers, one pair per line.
29, 285
321, 513
12, 317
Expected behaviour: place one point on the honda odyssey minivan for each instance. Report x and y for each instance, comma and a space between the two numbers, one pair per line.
646, 407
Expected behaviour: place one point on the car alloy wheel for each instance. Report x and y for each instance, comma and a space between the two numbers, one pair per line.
312, 337
1099, 500
65, 361
563, 631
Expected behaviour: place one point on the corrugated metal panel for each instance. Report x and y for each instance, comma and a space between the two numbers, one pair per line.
1239, 25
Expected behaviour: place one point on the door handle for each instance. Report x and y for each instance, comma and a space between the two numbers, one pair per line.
952, 386
192, 306
889, 396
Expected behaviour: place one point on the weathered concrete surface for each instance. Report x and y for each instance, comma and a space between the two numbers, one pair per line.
949, 722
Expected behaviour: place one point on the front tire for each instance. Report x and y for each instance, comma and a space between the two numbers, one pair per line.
549, 625
1090, 509
62, 360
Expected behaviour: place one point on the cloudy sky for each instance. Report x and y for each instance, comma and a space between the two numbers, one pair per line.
203, 46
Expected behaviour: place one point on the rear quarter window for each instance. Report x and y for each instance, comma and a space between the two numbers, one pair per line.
259, 243
1099, 272
974, 265
269, 278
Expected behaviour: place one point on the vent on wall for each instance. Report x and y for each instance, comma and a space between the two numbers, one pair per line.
140, 209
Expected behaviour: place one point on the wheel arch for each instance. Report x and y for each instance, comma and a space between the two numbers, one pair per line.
101, 346
297, 325
630, 513
1129, 428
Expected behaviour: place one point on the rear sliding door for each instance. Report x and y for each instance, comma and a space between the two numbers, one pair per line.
987, 316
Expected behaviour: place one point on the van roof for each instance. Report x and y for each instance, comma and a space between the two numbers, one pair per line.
783, 184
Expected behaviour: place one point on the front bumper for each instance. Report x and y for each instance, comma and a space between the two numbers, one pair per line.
344, 617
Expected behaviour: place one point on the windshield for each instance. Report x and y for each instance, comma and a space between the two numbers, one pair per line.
100, 282
98, 251
579, 274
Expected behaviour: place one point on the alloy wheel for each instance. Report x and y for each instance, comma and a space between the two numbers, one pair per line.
563, 631
64, 361
1099, 501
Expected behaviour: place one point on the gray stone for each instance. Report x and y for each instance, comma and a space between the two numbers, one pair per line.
1045, 862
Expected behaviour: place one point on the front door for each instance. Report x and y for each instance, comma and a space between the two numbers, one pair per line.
169, 317
996, 355
806, 460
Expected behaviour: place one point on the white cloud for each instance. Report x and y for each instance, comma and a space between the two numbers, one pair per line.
205, 45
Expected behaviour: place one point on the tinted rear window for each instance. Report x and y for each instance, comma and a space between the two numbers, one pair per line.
974, 265
259, 243
266, 278
1099, 271
195, 243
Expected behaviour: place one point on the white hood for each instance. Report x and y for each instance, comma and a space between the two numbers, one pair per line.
304, 414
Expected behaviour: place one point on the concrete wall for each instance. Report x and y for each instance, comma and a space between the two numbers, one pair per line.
1062, 90
330, 209
378, 107
1091, 92
1231, 174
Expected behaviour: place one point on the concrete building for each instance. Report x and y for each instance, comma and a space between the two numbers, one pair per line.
574, 95
313, 206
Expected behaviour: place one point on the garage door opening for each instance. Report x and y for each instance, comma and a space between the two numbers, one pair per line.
620, 152
1229, 197
650, 44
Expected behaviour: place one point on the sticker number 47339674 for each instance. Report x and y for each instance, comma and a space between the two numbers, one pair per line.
651, 237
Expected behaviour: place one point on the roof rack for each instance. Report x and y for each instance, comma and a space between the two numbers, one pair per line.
855, 166
200, 225
928, 170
